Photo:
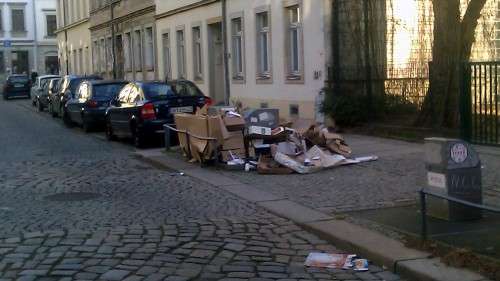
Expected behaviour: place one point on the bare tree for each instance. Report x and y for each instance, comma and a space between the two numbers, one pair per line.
453, 39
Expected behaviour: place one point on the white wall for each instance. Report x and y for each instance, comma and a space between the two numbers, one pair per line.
279, 92
43, 8
7, 20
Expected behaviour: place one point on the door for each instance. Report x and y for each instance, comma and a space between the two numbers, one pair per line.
117, 114
216, 62
120, 74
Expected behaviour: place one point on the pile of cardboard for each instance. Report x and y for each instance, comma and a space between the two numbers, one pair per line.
257, 139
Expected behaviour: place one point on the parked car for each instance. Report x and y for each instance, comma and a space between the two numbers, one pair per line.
88, 107
67, 89
17, 85
53, 93
50, 89
39, 87
142, 108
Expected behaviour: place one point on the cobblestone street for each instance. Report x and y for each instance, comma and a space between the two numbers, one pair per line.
75, 207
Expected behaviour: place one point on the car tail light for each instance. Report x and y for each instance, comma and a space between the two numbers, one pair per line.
92, 103
148, 112
208, 101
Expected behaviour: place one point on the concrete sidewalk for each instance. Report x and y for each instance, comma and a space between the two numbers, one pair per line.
313, 200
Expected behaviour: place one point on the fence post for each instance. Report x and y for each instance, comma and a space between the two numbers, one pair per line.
423, 213
465, 103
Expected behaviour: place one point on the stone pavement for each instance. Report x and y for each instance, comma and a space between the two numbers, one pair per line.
267, 248
391, 181
75, 207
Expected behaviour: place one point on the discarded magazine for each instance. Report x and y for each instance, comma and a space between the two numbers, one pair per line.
337, 261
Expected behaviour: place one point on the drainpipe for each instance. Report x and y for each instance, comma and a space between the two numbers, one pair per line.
113, 43
227, 90
65, 36
35, 42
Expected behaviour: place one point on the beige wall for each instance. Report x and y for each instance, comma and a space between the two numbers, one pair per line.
279, 92
78, 39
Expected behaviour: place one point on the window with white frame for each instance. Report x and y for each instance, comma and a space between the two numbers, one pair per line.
293, 47
197, 54
149, 55
18, 21
167, 64
81, 66
181, 54
127, 54
238, 55
263, 46
137, 50
51, 25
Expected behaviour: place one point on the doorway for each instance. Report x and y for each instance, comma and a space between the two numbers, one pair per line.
120, 62
216, 62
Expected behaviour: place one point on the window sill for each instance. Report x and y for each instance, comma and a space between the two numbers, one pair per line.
238, 80
294, 79
19, 33
264, 79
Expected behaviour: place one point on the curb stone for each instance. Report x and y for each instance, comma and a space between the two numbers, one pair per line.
390, 253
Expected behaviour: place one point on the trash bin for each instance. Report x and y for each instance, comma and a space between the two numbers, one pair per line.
453, 169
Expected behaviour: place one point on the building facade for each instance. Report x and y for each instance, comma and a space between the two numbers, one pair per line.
123, 37
73, 35
27, 35
277, 51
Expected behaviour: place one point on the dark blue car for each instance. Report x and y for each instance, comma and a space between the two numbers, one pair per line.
142, 108
88, 106
17, 86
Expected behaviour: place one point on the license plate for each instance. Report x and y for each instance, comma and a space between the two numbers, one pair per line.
18, 85
184, 109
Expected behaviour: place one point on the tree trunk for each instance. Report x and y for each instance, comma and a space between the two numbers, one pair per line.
453, 39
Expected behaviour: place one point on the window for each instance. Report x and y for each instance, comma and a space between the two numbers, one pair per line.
149, 49
109, 54
2, 62
51, 25
167, 65
123, 96
1, 20
81, 67
197, 54
293, 45
126, 51
181, 54
137, 50
18, 20
102, 56
237, 48
263, 46
95, 55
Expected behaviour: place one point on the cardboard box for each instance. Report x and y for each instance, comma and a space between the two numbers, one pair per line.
201, 126
235, 140
234, 123
267, 166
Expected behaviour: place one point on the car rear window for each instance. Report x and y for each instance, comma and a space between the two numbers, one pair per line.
187, 89
107, 90
154, 91
19, 79
73, 84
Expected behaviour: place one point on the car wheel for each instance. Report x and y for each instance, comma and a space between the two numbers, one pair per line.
138, 137
87, 128
51, 110
67, 121
39, 106
109, 132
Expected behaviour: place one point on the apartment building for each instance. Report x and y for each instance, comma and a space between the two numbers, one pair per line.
123, 39
73, 35
27, 35
276, 50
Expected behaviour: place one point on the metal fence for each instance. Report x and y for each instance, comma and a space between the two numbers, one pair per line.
480, 102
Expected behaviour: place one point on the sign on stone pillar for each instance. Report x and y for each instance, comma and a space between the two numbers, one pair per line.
453, 169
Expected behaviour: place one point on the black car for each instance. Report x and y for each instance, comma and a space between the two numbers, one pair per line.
67, 89
88, 107
39, 89
43, 97
142, 108
17, 86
